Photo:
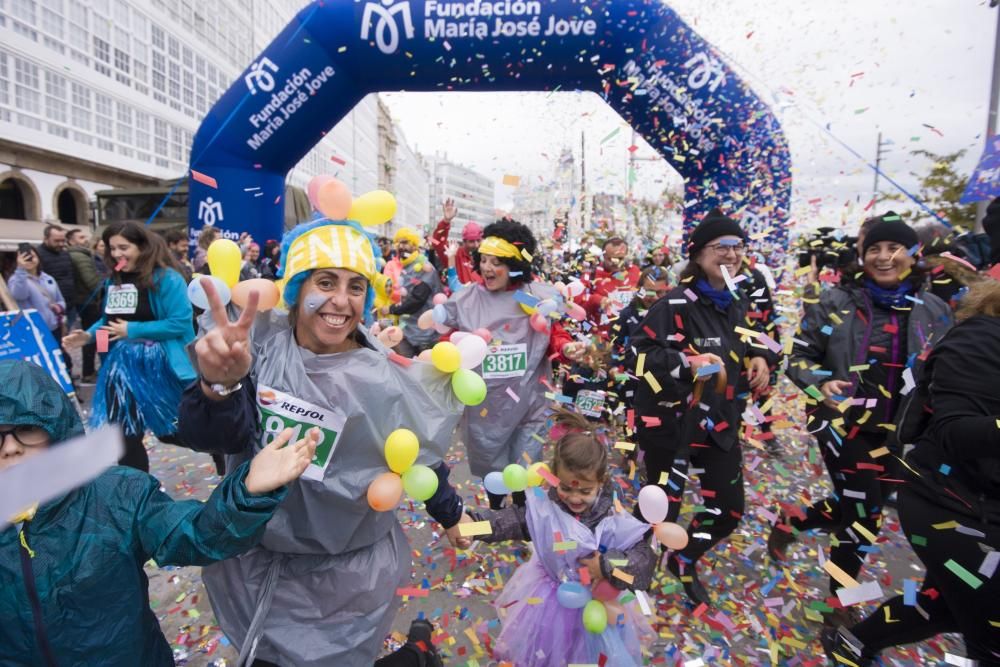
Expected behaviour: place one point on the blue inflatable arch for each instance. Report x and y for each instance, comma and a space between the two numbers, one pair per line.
645, 62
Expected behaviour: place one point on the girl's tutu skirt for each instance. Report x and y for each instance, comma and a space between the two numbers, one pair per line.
540, 632
137, 389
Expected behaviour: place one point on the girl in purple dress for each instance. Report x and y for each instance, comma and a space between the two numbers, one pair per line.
585, 545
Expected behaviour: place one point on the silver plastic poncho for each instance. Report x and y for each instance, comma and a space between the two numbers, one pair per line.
321, 588
518, 362
429, 276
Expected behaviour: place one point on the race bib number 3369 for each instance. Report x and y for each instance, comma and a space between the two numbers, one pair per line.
279, 411
505, 361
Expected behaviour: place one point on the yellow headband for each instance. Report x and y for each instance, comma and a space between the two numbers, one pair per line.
498, 247
331, 247
407, 234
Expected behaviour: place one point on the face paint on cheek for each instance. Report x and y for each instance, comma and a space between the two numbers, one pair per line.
314, 302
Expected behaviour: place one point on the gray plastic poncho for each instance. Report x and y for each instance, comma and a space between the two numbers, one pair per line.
428, 275
323, 583
511, 426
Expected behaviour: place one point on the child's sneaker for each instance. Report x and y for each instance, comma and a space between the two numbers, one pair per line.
419, 639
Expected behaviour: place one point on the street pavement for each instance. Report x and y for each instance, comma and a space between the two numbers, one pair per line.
762, 614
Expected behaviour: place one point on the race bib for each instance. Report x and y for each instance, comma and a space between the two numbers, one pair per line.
618, 299
122, 300
279, 411
505, 361
590, 403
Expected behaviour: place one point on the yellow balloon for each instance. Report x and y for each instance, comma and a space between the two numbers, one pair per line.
534, 479
224, 259
373, 208
446, 357
401, 448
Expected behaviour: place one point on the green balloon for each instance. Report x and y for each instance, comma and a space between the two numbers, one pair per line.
420, 482
595, 617
515, 477
468, 386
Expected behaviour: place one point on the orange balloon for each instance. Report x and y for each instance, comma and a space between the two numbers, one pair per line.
267, 290
671, 535
385, 491
333, 199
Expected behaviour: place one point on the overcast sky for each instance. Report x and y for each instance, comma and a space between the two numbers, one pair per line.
859, 66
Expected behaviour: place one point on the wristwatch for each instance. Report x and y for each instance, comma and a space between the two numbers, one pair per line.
221, 389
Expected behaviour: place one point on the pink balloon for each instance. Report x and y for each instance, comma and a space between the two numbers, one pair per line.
313, 189
653, 503
334, 199
375, 329
671, 535
441, 328
484, 334
424, 356
391, 337
426, 320
538, 323
576, 311
457, 337
439, 299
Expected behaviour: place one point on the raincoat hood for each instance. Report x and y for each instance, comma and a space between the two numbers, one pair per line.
28, 396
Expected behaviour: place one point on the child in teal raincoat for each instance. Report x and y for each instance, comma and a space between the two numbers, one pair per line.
72, 586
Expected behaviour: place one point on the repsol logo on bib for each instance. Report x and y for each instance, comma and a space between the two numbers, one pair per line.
305, 412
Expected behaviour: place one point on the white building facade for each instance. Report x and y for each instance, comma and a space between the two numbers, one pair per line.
96, 94
472, 192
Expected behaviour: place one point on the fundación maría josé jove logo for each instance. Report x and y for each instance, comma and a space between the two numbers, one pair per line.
386, 30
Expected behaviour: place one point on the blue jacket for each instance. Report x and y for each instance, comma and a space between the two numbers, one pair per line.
173, 324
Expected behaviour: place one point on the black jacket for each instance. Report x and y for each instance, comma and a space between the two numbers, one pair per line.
59, 265
956, 464
675, 325
840, 332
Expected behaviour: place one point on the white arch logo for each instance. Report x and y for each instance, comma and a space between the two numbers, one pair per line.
386, 31
210, 212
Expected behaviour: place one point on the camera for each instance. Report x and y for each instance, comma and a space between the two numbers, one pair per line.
831, 249
25, 247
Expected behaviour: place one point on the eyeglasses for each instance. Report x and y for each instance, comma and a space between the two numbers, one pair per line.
29, 436
723, 248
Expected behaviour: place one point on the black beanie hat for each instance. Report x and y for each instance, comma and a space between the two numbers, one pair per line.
712, 226
890, 227
991, 225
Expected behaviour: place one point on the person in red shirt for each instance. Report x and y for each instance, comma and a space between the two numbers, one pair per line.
612, 285
472, 234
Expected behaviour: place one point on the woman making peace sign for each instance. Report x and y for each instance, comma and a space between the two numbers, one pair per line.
321, 589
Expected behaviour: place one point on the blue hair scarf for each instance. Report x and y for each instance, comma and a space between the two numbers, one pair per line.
720, 297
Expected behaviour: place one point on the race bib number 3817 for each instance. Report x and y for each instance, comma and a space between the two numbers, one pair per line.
505, 361
279, 411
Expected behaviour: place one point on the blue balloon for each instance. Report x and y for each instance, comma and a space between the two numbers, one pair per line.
196, 293
439, 314
684, 99
494, 483
573, 595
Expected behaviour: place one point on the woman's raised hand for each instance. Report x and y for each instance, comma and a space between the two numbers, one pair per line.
224, 352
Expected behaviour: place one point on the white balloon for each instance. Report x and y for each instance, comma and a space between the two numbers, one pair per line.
458, 336
473, 350
575, 288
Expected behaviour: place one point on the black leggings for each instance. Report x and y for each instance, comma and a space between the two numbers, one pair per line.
860, 486
404, 657
950, 603
135, 453
720, 474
